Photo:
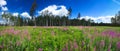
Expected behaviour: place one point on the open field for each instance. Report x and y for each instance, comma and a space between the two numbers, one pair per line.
70, 38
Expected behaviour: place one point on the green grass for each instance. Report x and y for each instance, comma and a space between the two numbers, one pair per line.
70, 38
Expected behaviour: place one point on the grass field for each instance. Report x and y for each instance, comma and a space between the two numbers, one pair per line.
72, 38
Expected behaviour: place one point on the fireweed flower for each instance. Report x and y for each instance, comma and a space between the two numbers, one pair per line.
110, 33
118, 35
40, 49
65, 29
25, 32
108, 49
1, 47
94, 48
16, 32
12, 29
81, 27
75, 45
63, 49
102, 43
118, 45
66, 47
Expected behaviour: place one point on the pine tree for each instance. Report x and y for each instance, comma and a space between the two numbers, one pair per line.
32, 11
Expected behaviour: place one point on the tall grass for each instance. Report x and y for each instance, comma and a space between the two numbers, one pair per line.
59, 39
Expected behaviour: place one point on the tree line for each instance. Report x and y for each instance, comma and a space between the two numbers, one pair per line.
45, 20
51, 20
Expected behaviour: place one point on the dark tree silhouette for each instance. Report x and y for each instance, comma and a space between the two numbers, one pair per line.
78, 17
32, 11
116, 20
69, 14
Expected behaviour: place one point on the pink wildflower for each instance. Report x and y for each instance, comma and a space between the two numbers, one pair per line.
40, 49
65, 29
118, 45
102, 43
1, 47
108, 49
75, 44
25, 32
94, 48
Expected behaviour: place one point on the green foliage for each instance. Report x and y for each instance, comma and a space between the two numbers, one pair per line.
116, 20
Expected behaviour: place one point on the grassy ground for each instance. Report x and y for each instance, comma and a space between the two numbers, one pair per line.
72, 38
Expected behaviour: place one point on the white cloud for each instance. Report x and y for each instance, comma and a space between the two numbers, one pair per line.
26, 15
4, 8
55, 10
2, 22
104, 19
1, 13
15, 14
116, 1
2, 3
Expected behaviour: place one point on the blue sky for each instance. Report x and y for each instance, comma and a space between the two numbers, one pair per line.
87, 8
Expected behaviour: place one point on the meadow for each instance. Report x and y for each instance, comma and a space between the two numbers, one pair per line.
66, 38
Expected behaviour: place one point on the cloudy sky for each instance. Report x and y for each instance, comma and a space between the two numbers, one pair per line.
98, 10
